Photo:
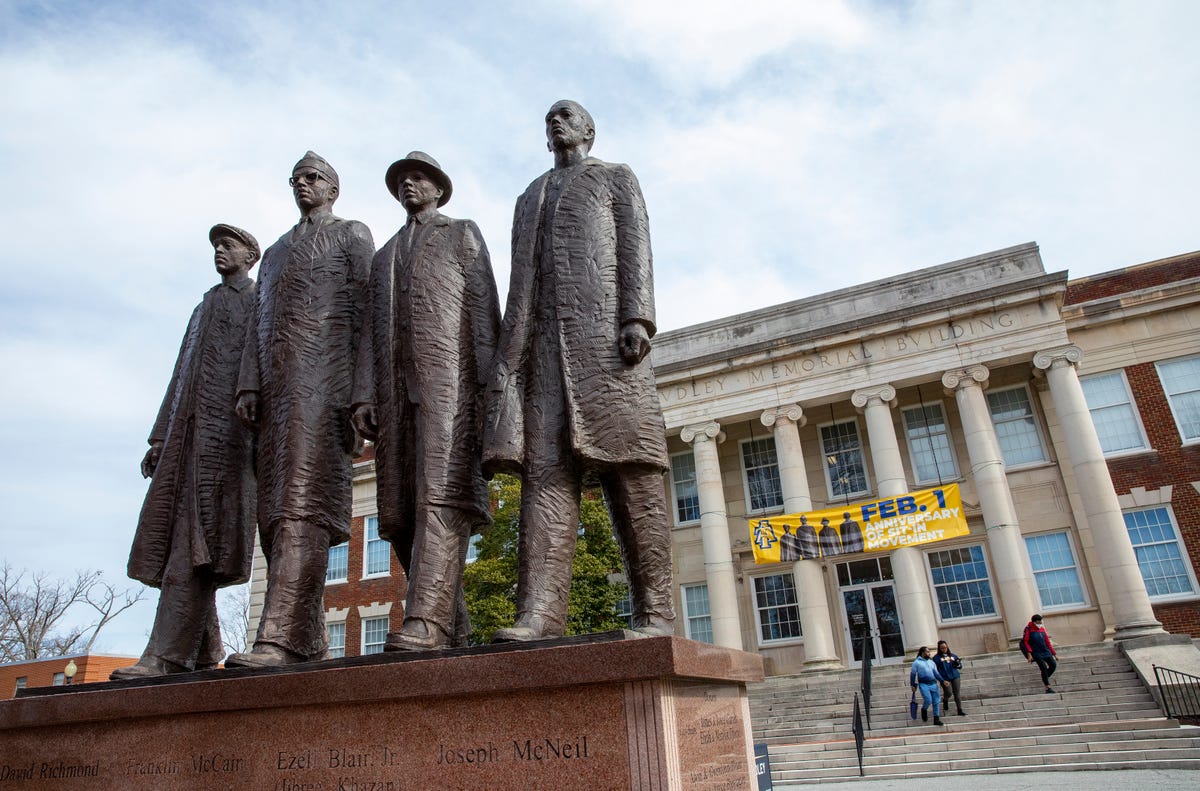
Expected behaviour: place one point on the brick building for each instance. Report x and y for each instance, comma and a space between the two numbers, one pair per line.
52, 672
1067, 411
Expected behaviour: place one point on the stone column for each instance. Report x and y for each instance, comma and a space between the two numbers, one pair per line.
1018, 594
908, 568
1130, 602
815, 623
714, 533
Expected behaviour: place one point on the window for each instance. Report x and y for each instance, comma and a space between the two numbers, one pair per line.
624, 609
761, 468
1054, 570
929, 443
1016, 428
845, 473
374, 634
1181, 382
1116, 421
1159, 553
377, 553
60, 679
21, 681
775, 608
473, 547
337, 639
683, 488
339, 564
697, 619
960, 578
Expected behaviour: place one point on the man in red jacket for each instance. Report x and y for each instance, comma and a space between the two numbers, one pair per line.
1036, 647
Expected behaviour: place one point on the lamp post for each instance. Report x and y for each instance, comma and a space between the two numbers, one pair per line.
69, 671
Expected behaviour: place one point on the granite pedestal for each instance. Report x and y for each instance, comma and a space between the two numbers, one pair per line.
597, 712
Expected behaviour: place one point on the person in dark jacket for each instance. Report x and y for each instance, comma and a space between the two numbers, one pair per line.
949, 666
196, 530
1036, 646
926, 677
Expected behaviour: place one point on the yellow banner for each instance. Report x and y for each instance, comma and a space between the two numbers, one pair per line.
878, 526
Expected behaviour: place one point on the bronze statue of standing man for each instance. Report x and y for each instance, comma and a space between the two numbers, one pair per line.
295, 389
196, 530
434, 317
571, 387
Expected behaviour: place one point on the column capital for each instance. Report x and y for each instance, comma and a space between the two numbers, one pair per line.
789, 412
702, 432
1058, 357
969, 376
885, 393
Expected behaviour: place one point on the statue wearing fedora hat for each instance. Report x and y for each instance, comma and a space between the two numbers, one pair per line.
434, 316
572, 389
196, 530
295, 390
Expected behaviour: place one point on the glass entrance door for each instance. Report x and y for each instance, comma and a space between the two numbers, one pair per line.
870, 611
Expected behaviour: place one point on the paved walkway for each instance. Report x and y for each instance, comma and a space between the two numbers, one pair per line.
1157, 779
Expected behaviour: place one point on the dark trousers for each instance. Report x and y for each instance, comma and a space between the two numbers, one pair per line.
186, 630
950, 687
1046, 664
294, 610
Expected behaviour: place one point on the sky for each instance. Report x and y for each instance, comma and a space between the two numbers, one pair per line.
785, 149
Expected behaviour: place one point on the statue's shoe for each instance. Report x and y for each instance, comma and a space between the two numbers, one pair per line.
527, 627
654, 626
417, 634
265, 655
147, 667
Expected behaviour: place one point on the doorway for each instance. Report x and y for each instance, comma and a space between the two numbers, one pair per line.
870, 611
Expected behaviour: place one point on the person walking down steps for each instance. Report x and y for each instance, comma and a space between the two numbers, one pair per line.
1036, 647
949, 665
926, 677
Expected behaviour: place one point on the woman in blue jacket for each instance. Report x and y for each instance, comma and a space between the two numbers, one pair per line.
925, 676
949, 665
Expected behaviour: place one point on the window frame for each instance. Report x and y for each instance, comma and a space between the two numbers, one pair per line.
1133, 407
1171, 404
758, 628
366, 554
1037, 427
689, 617
695, 481
329, 626
1184, 556
328, 565
834, 496
922, 405
933, 587
1079, 576
362, 631
746, 477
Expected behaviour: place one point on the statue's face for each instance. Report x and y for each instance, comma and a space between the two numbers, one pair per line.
566, 127
231, 254
417, 191
311, 189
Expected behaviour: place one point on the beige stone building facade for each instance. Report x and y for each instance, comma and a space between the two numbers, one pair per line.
987, 372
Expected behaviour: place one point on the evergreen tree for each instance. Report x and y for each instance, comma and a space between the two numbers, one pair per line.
491, 581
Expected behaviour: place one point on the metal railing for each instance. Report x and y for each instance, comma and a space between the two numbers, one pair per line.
860, 736
865, 682
1179, 693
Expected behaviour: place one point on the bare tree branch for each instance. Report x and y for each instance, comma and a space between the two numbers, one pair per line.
234, 608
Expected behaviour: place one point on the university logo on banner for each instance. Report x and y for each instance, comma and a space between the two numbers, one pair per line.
877, 526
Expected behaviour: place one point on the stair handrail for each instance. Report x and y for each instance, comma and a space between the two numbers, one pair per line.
860, 736
1179, 693
865, 679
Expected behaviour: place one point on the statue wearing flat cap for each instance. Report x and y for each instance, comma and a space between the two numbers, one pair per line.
295, 391
434, 316
196, 530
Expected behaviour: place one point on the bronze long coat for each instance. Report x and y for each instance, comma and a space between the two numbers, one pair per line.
299, 357
205, 472
434, 318
581, 268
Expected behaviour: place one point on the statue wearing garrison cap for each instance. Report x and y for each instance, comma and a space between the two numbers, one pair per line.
196, 530
295, 390
572, 387
434, 317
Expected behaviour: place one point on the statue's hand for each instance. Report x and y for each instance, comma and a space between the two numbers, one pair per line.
150, 460
634, 343
247, 409
366, 423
